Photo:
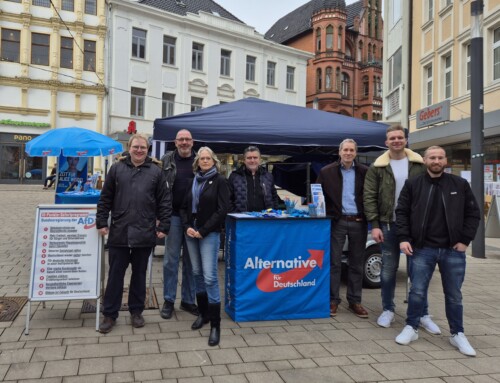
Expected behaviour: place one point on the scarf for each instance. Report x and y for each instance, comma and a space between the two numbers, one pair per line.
198, 183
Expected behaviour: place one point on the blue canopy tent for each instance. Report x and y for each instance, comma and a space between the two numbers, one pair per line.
276, 128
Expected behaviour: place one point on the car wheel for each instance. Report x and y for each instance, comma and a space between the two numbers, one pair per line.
372, 267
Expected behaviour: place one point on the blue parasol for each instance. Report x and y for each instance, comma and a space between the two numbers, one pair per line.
72, 142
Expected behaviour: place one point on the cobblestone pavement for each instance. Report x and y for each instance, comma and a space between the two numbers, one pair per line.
63, 346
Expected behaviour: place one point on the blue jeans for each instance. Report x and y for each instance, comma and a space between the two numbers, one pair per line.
173, 244
390, 264
452, 268
204, 257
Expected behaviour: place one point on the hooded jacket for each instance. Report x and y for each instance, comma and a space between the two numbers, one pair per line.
135, 196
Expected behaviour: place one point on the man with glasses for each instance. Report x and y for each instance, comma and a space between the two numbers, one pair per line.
178, 170
136, 196
252, 187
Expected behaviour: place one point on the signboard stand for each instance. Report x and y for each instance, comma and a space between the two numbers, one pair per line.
493, 220
66, 258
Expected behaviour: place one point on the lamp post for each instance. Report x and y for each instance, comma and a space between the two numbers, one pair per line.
477, 120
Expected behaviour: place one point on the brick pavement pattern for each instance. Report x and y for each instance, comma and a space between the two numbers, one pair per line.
63, 346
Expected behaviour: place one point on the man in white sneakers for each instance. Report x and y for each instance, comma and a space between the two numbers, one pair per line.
437, 217
383, 183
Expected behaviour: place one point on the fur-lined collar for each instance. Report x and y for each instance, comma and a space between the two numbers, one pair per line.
126, 155
384, 160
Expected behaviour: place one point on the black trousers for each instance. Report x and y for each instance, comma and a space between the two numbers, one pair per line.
119, 259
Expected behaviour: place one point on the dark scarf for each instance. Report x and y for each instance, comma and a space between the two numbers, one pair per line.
198, 183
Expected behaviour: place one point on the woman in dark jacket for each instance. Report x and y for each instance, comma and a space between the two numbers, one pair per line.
203, 214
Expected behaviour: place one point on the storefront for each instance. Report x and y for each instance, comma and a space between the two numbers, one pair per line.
16, 167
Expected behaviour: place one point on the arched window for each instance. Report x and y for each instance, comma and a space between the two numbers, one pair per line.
329, 37
318, 79
345, 85
328, 78
369, 52
374, 55
337, 79
318, 40
348, 52
366, 86
339, 39
360, 51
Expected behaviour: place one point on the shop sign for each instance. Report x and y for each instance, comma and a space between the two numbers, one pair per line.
25, 123
433, 114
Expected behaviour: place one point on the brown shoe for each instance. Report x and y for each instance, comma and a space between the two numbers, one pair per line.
106, 325
137, 320
359, 310
333, 309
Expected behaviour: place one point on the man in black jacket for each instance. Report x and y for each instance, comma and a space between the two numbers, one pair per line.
136, 194
342, 184
437, 218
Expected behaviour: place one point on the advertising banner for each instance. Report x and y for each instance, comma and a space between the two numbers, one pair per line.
72, 170
277, 268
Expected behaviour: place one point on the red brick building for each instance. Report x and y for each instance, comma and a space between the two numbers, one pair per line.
345, 76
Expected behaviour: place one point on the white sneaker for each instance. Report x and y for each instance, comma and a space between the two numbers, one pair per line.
460, 341
385, 319
428, 325
409, 334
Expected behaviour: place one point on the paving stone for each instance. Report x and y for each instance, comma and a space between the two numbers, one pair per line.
43, 354
89, 340
144, 362
411, 370
392, 357
268, 377
3, 371
353, 348
318, 374
61, 368
225, 356
332, 361
193, 358
242, 368
267, 353
15, 356
141, 348
175, 345
418, 356
481, 379
299, 337
361, 359
278, 365
120, 377
488, 365
231, 341
452, 367
230, 379
11, 345
99, 365
96, 350
85, 379
46, 380
455, 379
43, 343
219, 369
362, 373
141, 376
206, 379
259, 340
18, 371
303, 363
338, 335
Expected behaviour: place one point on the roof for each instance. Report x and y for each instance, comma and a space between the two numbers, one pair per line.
299, 21
181, 7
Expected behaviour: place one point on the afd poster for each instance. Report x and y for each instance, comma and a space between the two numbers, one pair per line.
72, 170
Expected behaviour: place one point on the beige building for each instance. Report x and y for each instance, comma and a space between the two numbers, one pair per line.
51, 75
440, 80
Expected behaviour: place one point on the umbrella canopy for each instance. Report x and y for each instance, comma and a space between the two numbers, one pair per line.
72, 142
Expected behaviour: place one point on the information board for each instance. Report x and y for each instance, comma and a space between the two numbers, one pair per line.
66, 253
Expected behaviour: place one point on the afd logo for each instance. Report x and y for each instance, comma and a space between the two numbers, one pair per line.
46, 152
82, 153
87, 222
298, 269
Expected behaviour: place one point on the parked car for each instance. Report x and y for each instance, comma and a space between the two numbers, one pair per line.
373, 263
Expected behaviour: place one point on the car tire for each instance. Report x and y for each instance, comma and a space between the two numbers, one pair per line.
372, 267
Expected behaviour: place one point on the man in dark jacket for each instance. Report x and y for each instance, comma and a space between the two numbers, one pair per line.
135, 193
178, 170
252, 187
342, 184
437, 218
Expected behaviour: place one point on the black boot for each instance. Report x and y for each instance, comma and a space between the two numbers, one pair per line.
202, 300
214, 313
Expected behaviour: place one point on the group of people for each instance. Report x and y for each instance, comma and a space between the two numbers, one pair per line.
411, 204
413, 207
185, 199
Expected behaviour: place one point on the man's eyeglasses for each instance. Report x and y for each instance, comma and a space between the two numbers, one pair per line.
135, 147
184, 139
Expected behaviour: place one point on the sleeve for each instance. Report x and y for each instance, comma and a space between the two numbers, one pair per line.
232, 196
164, 204
472, 216
106, 198
370, 197
403, 211
217, 218
274, 194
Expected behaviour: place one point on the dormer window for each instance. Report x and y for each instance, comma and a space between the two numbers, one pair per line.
215, 13
285, 28
180, 3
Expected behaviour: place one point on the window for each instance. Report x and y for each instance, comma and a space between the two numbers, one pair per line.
290, 77
428, 84
370, 57
337, 79
15, 1
169, 50
138, 43
89, 55
67, 52
167, 104
395, 7
467, 60
250, 72
91, 7
364, 116
318, 40
395, 70
339, 39
496, 54
42, 3
40, 47
447, 76
329, 37
319, 74
345, 85
197, 59
196, 103
360, 51
366, 86
377, 86
68, 5
430, 10
137, 100
328, 78
225, 62
271, 73
11, 43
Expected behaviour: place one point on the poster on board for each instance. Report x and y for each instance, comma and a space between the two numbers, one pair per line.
71, 171
66, 253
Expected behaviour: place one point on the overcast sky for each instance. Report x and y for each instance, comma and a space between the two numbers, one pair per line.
262, 14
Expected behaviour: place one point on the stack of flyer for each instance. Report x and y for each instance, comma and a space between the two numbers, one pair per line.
318, 199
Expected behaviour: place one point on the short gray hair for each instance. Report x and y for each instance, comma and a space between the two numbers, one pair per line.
348, 141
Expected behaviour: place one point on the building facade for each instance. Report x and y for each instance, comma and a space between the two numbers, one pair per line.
51, 75
345, 74
167, 58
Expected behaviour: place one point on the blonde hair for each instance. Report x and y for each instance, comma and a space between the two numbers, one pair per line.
137, 136
212, 154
